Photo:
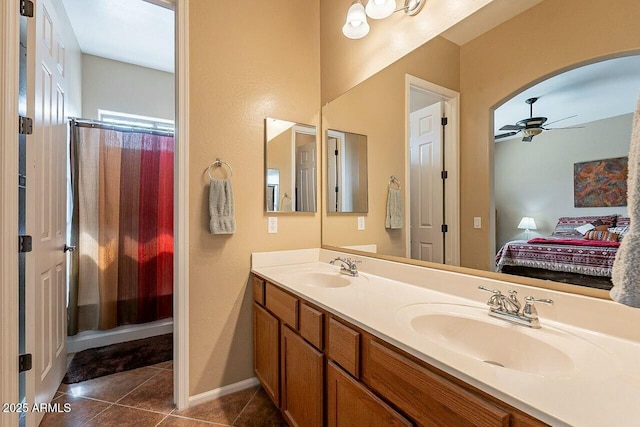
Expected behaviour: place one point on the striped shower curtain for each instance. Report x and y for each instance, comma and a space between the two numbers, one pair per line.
122, 225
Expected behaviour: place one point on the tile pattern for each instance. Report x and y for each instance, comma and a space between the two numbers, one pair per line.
144, 397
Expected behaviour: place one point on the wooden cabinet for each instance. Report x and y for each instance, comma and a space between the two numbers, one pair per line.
350, 403
266, 351
425, 396
302, 368
365, 380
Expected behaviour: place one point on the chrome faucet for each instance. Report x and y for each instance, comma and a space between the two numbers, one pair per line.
510, 309
348, 266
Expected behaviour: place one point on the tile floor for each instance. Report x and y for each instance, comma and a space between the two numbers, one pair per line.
143, 397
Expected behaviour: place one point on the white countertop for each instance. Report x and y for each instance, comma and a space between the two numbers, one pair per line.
606, 394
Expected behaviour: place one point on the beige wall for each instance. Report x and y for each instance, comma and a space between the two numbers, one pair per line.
376, 108
554, 35
536, 179
262, 61
346, 62
125, 88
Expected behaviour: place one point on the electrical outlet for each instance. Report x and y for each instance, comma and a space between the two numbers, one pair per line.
273, 224
360, 223
477, 222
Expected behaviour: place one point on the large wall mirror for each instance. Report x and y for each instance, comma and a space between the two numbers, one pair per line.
501, 180
290, 160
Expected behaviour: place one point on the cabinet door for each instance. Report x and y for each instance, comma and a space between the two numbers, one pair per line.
349, 403
302, 381
266, 351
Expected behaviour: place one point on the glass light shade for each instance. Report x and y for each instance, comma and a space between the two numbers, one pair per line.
380, 9
356, 26
527, 223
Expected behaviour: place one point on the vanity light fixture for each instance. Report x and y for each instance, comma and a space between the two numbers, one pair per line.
356, 26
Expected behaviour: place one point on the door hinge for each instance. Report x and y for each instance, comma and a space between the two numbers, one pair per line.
26, 8
444, 175
336, 189
445, 228
24, 362
25, 125
24, 244
444, 121
22, 181
335, 152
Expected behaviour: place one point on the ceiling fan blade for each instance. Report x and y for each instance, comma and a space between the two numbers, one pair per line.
527, 139
504, 135
559, 120
568, 127
511, 127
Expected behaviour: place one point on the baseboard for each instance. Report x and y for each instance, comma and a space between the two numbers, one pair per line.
222, 391
92, 339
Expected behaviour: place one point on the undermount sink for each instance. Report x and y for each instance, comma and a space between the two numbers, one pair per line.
469, 331
323, 279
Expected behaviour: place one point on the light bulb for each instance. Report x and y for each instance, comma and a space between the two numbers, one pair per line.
356, 26
380, 9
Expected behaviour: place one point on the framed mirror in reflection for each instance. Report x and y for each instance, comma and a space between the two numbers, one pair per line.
347, 172
504, 180
290, 160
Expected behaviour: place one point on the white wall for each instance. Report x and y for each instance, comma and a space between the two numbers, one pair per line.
126, 88
536, 179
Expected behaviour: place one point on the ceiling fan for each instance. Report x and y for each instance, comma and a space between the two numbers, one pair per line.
532, 126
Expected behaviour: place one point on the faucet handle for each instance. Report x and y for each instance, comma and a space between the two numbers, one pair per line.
529, 311
493, 291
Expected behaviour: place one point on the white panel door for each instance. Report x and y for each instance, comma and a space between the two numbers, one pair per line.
427, 241
46, 267
306, 177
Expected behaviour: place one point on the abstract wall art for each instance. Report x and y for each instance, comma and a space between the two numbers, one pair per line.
600, 183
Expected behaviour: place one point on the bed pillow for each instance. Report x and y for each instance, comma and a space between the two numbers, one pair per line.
621, 230
601, 235
566, 226
623, 220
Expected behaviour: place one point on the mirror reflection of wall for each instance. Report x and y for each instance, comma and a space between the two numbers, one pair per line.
291, 157
472, 64
346, 172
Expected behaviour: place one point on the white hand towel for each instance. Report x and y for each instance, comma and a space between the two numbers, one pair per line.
221, 207
626, 267
395, 209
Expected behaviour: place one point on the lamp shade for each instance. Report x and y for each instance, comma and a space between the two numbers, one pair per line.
527, 223
380, 9
356, 26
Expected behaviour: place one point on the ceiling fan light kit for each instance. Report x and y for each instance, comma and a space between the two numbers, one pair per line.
530, 127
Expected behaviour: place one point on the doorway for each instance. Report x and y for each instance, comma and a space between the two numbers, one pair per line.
9, 339
431, 172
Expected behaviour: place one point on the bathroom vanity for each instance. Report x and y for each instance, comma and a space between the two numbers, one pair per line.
331, 349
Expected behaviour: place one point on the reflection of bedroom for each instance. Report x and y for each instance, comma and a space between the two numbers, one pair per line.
525, 189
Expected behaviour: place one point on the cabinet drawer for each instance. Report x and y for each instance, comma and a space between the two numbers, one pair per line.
344, 347
282, 305
311, 321
425, 396
258, 290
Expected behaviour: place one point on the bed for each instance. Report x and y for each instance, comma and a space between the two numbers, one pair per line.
567, 256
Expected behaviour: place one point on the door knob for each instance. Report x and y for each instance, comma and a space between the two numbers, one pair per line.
69, 248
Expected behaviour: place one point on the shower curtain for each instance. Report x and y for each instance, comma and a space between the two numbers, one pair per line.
122, 225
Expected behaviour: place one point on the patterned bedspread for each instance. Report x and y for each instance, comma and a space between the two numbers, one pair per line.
594, 261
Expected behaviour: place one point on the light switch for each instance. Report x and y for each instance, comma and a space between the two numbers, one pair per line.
477, 222
273, 224
360, 223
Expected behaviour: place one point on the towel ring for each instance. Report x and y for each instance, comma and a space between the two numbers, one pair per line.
395, 181
219, 163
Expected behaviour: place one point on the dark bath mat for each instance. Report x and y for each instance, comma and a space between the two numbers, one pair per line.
101, 361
